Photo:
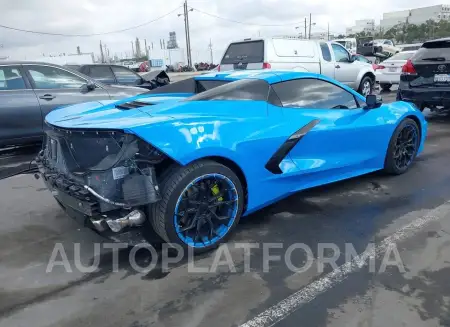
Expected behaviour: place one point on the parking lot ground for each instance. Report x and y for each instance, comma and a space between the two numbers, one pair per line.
373, 209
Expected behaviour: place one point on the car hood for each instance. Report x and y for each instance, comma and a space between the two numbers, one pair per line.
111, 115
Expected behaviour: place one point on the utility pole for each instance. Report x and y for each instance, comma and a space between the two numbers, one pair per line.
305, 29
106, 53
188, 34
186, 29
211, 51
328, 38
309, 36
101, 52
146, 49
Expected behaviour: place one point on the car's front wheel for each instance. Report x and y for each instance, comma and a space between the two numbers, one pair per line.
200, 207
403, 147
366, 86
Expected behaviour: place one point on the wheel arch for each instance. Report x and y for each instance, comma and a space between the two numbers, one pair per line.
419, 124
370, 74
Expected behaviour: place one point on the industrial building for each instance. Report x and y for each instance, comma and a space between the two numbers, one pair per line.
361, 25
415, 16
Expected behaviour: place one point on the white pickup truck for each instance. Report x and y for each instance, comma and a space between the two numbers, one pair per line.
317, 56
133, 65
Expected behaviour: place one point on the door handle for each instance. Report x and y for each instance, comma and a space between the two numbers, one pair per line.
337, 66
47, 97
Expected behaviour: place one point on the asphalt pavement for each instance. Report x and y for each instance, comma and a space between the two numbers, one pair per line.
406, 216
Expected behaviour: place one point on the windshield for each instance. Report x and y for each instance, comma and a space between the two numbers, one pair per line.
402, 56
245, 89
190, 85
433, 50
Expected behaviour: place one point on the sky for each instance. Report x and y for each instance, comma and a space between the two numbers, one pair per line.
100, 16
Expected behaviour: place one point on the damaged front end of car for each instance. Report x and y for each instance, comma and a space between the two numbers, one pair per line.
103, 178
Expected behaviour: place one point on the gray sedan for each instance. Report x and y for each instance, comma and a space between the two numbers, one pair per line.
30, 90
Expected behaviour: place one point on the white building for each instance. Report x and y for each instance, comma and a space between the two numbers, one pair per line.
415, 16
361, 25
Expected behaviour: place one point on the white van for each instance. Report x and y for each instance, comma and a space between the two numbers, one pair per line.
316, 56
348, 43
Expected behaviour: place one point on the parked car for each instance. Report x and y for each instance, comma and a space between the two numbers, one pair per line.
425, 78
388, 72
133, 65
316, 56
120, 75
379, 47
148, 165
361, 58
349, 43
30, 90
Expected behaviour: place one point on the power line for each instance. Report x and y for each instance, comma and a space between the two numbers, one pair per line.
242, 23
93, 34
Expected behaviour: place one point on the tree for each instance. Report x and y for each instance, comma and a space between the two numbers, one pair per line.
412, 33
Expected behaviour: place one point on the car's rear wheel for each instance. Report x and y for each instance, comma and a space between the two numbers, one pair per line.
385, 86
200, 207
366, 86
403, 147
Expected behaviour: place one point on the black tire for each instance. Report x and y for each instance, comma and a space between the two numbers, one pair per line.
362, 85
173, 182
389, 163
385, 87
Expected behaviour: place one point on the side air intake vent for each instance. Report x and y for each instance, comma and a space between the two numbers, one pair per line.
132, 105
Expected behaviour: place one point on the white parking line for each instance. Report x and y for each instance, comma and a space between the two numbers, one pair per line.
290, 304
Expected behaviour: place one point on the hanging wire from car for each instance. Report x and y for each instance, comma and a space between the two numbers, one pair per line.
93, 34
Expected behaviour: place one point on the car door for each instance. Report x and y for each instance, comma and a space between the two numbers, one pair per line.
56, 87
338, 138
126, 76
346, 70
20, 114
101, 73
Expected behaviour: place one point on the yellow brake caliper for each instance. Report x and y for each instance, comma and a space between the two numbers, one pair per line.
215, 190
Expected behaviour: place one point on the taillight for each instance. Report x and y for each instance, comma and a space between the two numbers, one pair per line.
218, 68
378, 67
408, 68
266, 65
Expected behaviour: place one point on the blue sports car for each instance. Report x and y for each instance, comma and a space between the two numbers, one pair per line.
189, 159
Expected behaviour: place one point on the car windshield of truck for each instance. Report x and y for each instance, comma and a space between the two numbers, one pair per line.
247, 52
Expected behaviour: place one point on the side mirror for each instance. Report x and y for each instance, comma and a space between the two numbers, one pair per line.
373, 101
140, 81
89, 86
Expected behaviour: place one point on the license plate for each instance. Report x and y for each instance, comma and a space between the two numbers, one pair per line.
393, 69
442, 78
